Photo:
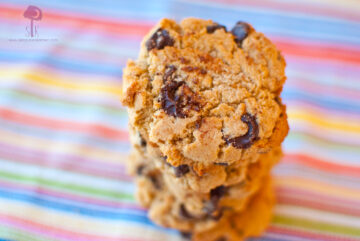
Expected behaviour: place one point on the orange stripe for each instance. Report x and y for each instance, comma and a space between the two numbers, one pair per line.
322, 165
94, 129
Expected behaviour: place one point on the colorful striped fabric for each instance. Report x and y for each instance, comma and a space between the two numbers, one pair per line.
63, 132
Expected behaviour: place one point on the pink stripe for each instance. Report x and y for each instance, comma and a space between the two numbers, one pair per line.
53, 232
323, 89
70, 196
323, 9
316, 197
64, 162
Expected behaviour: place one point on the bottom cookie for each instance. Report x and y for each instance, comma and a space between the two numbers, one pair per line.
252, 221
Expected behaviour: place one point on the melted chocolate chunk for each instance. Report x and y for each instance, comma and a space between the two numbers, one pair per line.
245, 141
215, 195
186, 235
184, 213
177, 99
221, 239
181, 170
222, 163
240, 31
155, 181
140, 169
168, 75
213, 28
142, 141
159, 40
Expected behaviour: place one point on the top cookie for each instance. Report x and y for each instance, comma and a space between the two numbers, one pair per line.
201, 96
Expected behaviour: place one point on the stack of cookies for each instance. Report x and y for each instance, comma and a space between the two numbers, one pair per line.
206, 126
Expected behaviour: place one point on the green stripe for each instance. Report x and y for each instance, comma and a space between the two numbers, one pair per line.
67, 186
16, 234
316, 226
53, 103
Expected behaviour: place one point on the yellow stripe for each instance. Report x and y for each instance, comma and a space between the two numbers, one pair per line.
318, 187
58, 147
55, 81
329, 122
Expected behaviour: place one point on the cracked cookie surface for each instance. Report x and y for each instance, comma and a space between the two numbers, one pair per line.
203, 96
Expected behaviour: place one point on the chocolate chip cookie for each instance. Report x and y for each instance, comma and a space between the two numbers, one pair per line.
205, 96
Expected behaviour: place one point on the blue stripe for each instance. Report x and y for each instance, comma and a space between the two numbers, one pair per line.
35, 199
45, 59
323, 101
139, 218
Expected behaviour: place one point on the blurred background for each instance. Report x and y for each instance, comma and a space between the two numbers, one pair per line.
63, 132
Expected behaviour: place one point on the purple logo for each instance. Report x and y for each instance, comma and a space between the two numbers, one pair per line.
34, 14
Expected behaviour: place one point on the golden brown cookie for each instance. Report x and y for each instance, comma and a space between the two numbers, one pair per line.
202, 96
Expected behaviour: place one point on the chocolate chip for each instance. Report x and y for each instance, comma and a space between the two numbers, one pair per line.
192, 69
142, 141
168, 75
198, 123
155, 181
240, 31
177, 99
159, 40
184, 213
186, 235
213, 28
221, 239
245, 141
215, 195
222, 163
140, 169
181, 170
218, 192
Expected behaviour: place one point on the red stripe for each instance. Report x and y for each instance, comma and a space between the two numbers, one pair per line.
53, 232
61, 125
320, 52
322, 165
307, 234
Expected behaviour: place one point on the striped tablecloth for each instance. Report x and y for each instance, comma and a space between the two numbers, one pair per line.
63, 132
